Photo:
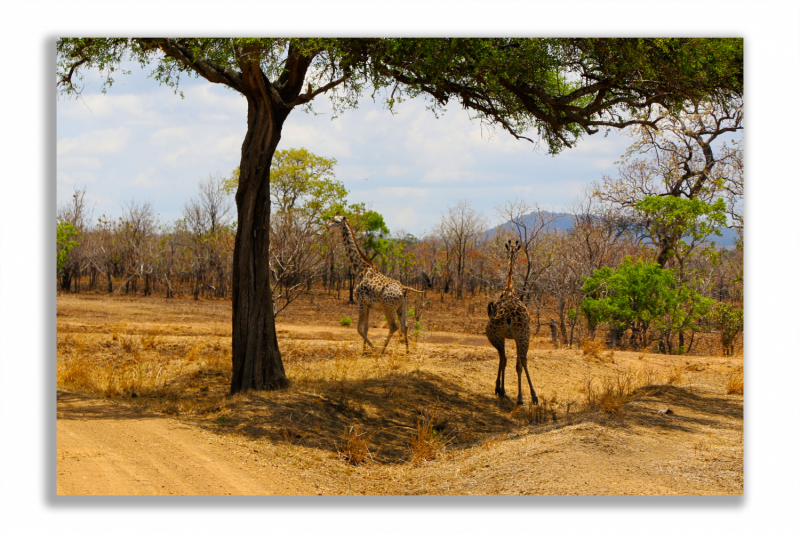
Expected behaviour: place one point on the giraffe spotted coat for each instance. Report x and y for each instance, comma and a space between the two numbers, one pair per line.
508, 319
372, 289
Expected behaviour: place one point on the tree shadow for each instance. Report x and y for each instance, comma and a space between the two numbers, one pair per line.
689, 412
71, 406
389, 409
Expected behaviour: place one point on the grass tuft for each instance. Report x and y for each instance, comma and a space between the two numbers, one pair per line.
354, 446
735, 383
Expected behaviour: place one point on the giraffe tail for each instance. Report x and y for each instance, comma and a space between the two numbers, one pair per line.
406, 289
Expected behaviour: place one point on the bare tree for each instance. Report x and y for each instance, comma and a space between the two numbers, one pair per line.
79, 215
206, 216
460, 228
528, 224
136, 234
683, 158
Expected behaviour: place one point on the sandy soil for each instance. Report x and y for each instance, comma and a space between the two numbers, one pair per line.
107, 449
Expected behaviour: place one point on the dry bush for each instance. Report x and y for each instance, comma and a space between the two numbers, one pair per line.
427, 443
530, 414
130, 343
735, 383
645, 377
152, 339
612, 395
354, 446
592, 348
675, 375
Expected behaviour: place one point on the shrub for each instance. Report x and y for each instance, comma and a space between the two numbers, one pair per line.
592, 348
354, 447
735, 384
427, 443
346, 321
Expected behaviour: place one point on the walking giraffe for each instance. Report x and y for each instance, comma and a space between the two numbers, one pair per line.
373, 289
508, 319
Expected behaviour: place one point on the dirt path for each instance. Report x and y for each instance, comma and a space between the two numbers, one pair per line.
105, 449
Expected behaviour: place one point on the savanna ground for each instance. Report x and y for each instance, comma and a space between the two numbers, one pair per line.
143, 408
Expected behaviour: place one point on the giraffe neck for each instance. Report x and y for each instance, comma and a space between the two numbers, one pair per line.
358, 261
509, 279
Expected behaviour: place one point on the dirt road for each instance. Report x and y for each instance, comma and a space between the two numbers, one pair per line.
106, 449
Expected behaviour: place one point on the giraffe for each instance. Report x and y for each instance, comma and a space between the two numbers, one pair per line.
508, 319
373, 289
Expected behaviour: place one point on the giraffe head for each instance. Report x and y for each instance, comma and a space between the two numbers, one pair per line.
336, 222
356, 255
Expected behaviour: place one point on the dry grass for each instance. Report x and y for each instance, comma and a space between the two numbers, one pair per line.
675, 374
612, 394
592, 348
593, 351
427, 443
344, 405
354, 446
735, 382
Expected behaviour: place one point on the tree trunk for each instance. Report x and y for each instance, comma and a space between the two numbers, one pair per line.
256, 357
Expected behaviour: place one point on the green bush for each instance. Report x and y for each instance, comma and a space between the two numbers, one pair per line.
641, 295
346, 321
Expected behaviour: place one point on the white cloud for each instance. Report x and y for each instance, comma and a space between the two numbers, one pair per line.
109, 141
229, 147
146, 178
103, 105
324, 141
209, 96
79, 162
169, 135
177, 157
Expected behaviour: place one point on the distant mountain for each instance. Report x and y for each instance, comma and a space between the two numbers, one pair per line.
565, 221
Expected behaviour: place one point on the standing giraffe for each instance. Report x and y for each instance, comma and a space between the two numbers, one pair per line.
508, 319
373, 289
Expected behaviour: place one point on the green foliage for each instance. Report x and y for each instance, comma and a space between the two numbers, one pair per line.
638, 295
346, 321
370, 226
66, 240
730, 322
300, 180
229, 185
558, 88
677, 225
410, 312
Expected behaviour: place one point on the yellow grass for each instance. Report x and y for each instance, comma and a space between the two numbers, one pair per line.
359, 408
735, 383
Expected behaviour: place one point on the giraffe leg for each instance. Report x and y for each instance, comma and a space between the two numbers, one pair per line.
499, 385
403, 328
519, 378
363, 324
392, 328
522, 361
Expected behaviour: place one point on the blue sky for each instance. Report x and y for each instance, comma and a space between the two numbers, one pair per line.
141, 141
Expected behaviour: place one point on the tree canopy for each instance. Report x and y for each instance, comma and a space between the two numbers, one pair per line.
560, 88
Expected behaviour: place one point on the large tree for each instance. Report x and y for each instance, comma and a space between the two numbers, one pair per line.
559, 88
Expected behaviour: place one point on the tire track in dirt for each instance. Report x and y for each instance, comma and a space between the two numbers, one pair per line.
105, 449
